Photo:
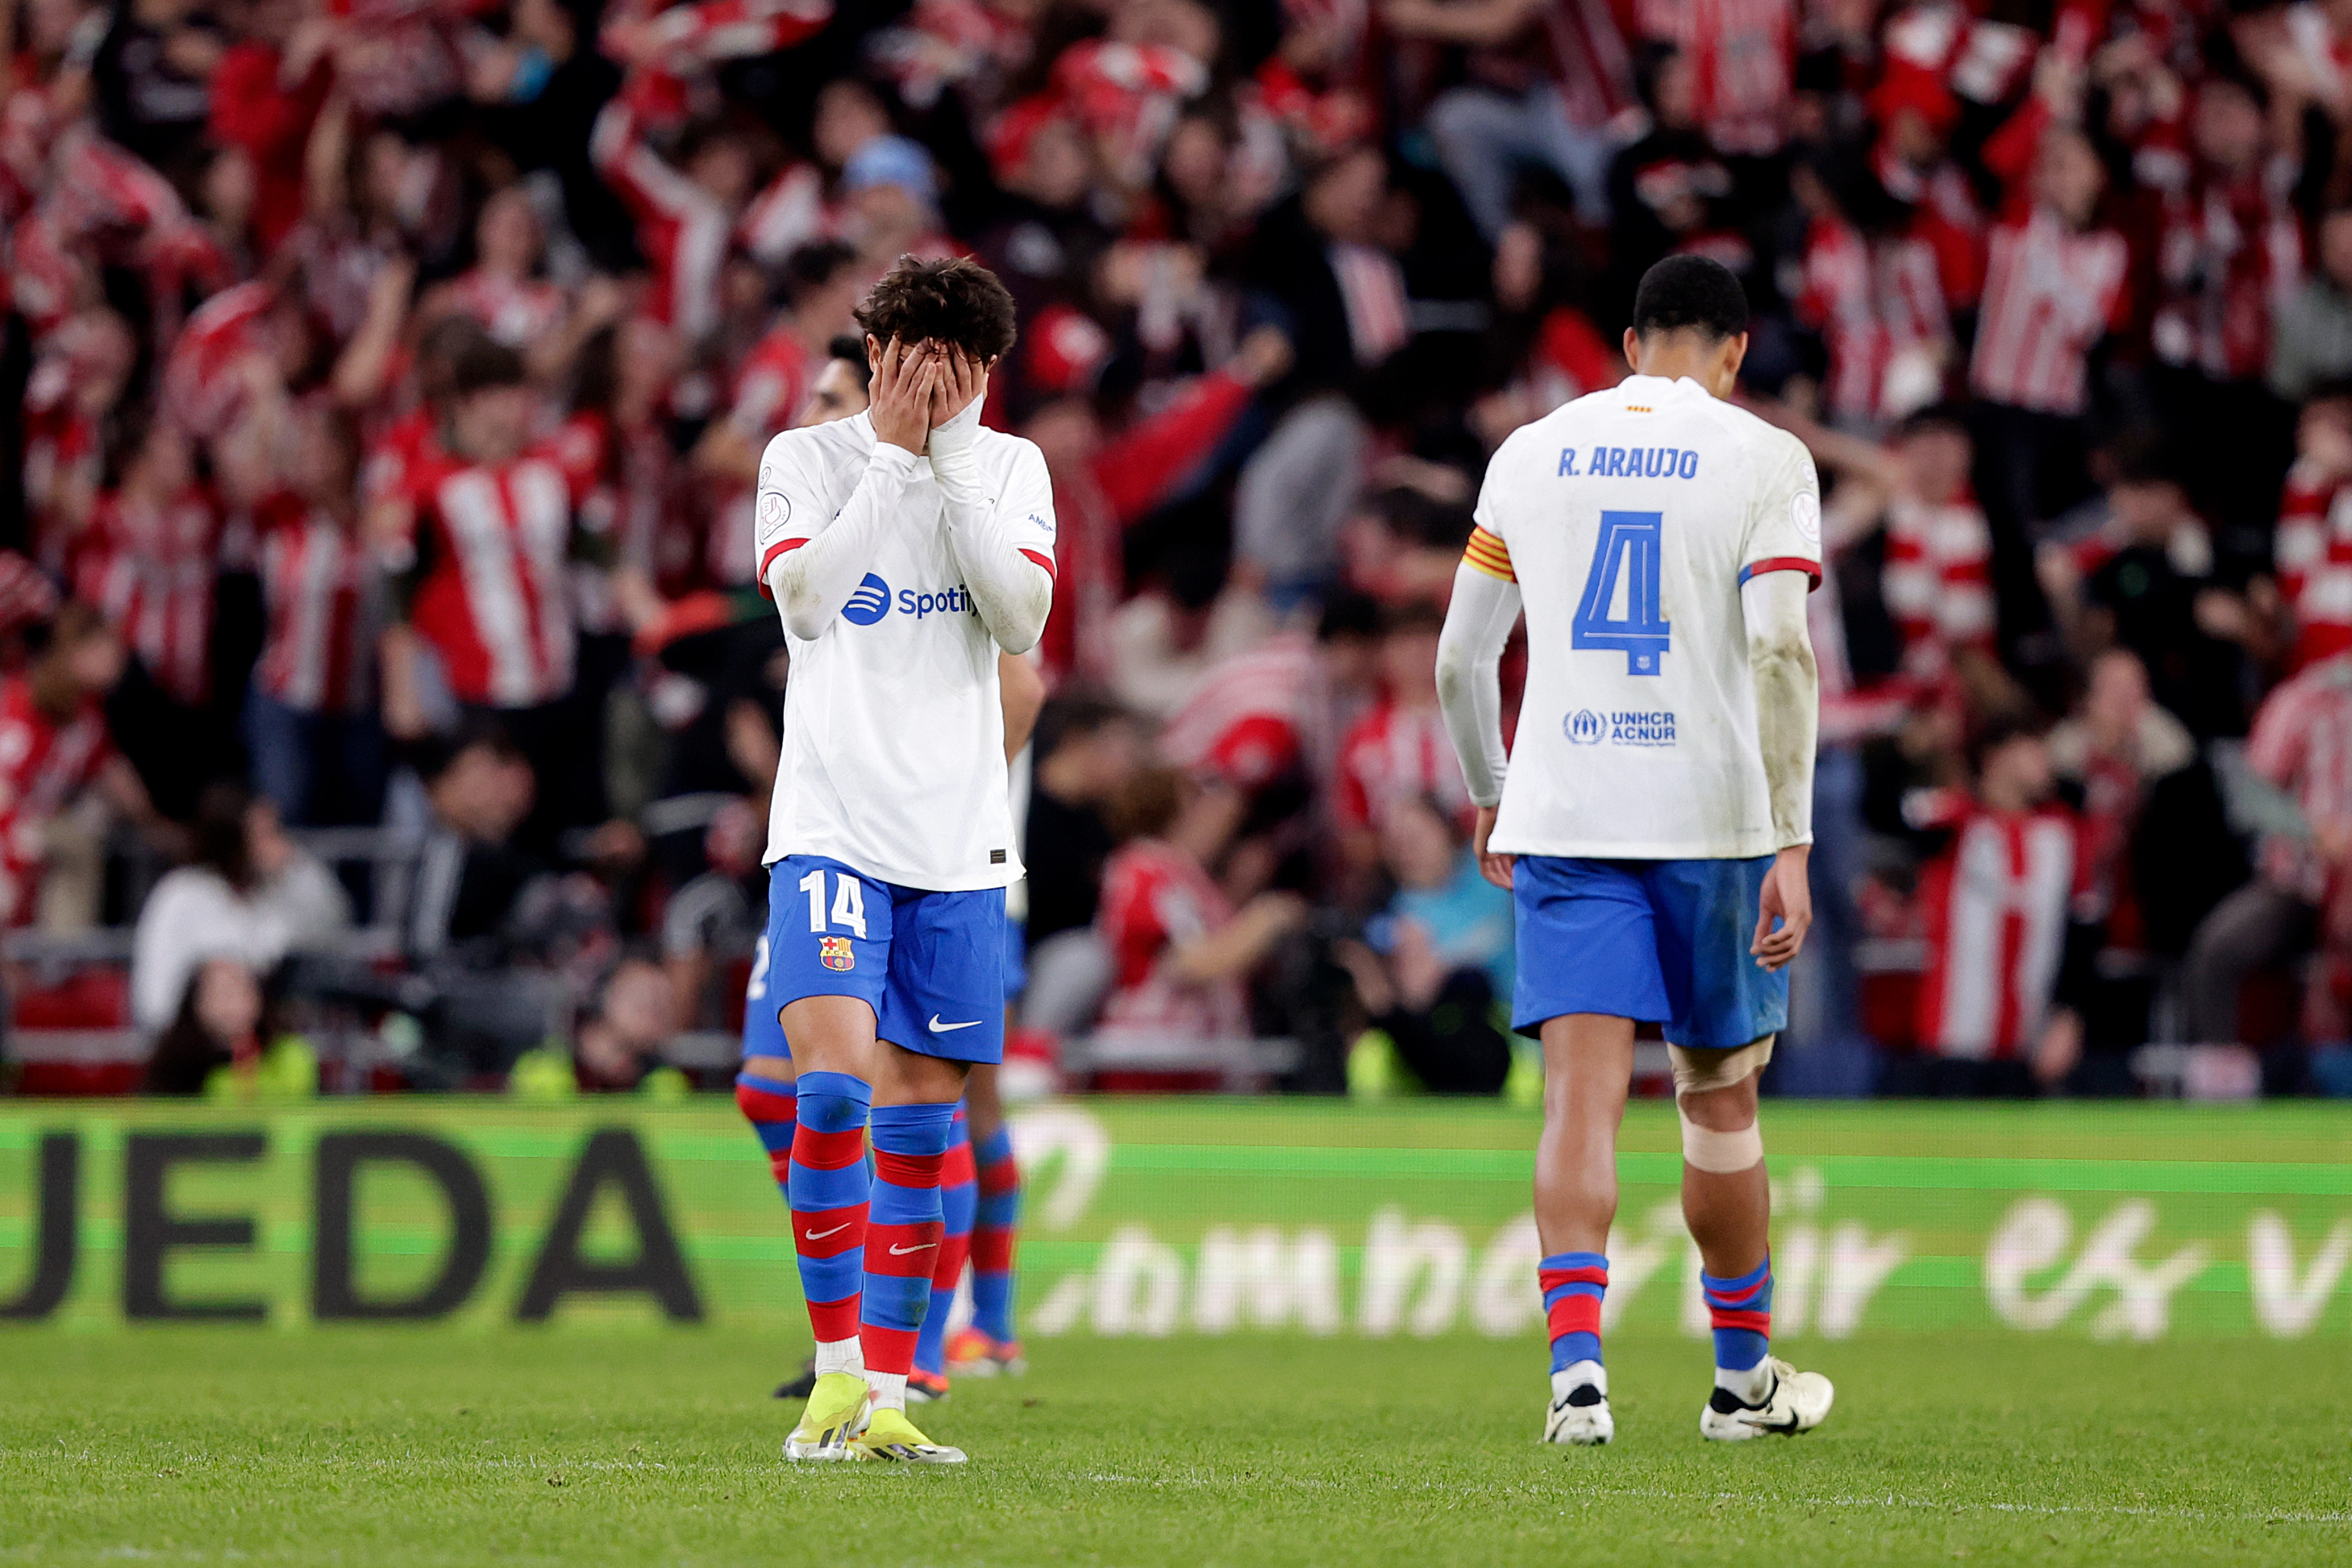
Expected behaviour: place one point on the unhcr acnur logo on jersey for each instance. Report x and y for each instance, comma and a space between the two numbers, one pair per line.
1586, 727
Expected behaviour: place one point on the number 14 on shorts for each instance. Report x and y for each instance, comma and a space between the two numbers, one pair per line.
848, 902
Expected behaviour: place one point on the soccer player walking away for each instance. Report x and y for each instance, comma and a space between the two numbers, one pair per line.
1656, 820
905, 547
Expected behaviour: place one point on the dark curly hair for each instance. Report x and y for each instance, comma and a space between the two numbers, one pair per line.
955, 301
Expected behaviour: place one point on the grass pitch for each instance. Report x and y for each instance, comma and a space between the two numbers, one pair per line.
581, 1446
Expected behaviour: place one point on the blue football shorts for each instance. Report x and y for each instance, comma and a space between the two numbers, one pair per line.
763, 1034
930, 965
1661, 942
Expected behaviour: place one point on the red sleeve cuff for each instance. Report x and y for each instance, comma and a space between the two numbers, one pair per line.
1811, 569
1042, 560
769, 560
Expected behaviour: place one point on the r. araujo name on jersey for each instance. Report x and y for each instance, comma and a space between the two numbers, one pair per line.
1629, 518
894, 735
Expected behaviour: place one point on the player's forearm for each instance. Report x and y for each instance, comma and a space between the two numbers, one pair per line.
814, 580
1788, 699
1012, 592
1469, 681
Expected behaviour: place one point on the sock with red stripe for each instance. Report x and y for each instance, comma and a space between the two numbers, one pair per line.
828, 1188
1573, 1284
902, 1241
994, 1231
1741, 1311
772, 1107
959, 1200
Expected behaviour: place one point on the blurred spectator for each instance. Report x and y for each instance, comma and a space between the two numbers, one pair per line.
54, 749
250, 894
2312, 343
311, 723
1088, 749
1399, 751
215, 1024
1181, 951
2302, 746
1998, 900
1434, 967
471, 876
634, 1017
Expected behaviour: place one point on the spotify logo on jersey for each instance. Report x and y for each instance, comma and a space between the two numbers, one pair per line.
868, 603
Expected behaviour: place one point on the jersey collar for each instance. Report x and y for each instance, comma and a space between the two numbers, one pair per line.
1658, 389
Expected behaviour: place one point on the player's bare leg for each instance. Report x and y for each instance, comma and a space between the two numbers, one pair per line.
1588, 1068
1727, 1206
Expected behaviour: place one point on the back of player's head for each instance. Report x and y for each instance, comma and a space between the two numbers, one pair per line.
850, 350
955, 301
1690, 293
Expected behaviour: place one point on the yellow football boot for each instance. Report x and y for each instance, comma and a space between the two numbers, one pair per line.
890, 1436
836, 1413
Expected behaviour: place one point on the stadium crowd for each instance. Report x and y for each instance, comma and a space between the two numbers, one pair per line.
393, 374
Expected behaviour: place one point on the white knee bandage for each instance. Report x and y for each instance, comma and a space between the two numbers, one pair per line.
1721, 1153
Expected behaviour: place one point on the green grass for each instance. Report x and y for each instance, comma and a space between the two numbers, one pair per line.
578, 1446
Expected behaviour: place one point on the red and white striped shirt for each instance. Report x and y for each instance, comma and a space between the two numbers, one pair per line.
1938, 582
319, 653
1396, 754
1745, 55
1156, 897
681, 228
2313, 551
495, 599
2302, 742
1251, 719
1879, 306
151, 568
1996, 901
43, 765
2050, 296
2230, 256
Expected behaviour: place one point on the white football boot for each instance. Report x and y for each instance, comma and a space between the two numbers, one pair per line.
1788, 1403
1579, 1417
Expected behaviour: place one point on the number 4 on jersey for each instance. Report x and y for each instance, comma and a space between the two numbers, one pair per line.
1627, 547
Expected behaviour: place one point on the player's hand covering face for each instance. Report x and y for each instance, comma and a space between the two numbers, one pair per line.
906, 376
962, 380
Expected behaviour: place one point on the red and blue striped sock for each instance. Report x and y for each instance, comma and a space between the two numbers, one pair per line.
902, 1241
959, 1200
772, 1107
1573, 1284
994, 1233
828, 1188
1741, 1311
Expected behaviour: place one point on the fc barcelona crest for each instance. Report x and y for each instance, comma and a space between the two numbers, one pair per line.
836, 953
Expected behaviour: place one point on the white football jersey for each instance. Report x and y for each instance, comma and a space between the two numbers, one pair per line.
1629, 518
894, 735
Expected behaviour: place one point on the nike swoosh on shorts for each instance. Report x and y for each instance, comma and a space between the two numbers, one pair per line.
938, 1027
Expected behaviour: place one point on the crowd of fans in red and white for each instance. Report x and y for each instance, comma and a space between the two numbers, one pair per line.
392, 378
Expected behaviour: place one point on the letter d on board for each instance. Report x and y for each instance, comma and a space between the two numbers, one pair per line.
334, 1293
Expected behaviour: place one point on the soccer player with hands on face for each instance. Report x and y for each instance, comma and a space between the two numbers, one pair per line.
905, 546
1657, 813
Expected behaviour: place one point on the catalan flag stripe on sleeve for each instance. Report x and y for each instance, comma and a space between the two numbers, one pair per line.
1489, 555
